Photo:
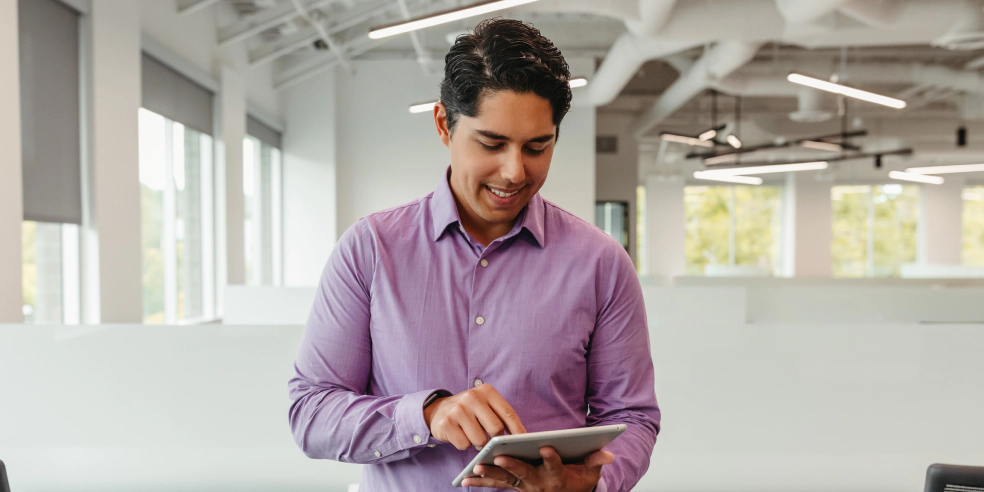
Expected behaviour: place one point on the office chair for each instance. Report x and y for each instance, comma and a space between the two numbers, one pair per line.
4, 486
954, 478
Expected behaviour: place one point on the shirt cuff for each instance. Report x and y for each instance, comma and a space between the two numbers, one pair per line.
412, 430
602, 486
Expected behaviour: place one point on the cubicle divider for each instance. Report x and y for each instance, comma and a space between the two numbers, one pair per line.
750, 402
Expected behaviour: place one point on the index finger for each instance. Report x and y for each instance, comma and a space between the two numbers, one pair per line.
506, 413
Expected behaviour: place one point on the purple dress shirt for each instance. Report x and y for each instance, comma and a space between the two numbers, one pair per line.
551, 315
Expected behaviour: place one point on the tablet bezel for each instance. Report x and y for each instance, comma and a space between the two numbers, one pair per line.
573, 445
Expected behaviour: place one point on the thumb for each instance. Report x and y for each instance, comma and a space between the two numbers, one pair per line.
599, 458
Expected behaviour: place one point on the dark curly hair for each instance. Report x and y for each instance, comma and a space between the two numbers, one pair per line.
503, 55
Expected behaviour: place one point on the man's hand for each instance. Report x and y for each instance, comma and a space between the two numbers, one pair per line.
552, 476
471, 417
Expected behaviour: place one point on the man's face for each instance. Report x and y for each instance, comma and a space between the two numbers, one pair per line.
500, 158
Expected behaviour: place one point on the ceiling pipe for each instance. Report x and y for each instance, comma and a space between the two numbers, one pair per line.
806, 11
623, 10
653, 16
719, 62
621, 64
880, 14
749, 22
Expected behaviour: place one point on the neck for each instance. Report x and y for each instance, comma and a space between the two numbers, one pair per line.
477, 227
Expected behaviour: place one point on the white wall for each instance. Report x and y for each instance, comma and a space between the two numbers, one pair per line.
115, 93
11, 186
807, 230
665, 226
617, 175
940, 232
309, 179
386, 156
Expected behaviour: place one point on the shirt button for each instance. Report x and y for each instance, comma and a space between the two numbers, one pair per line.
378, 454
484, 263
478, 382
480, 320
431, 445
416, 439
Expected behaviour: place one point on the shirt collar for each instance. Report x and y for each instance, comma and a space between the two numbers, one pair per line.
444, 212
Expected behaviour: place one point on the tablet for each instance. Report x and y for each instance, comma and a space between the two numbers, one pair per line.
573, 446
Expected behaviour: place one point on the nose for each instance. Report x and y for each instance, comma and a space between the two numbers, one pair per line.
512, 170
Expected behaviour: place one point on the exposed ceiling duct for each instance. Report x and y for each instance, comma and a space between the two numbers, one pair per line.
622, 63
716, 64
805, 11
811, 107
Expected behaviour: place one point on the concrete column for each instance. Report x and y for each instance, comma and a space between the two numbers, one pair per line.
11, 184
940, 234
806, 226
231, 129
665, 227
309, 179
115, 97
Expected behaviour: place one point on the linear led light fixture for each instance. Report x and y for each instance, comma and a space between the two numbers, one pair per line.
959, 168
776, 168
423, 107
845, 90
918, 178
427, 106
830, 147
733, 140
709, 134
713, 176
670, 137
443, 17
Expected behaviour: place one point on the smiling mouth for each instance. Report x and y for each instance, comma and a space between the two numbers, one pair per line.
502, 193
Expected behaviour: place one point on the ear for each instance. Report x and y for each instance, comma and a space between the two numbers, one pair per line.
441, 122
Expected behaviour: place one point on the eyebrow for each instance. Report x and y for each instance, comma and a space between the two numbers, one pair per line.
496, 136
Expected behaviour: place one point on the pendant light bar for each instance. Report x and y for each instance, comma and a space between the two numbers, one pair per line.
777, 168
958, 168
443, 17
845, 90
671, 137
713, 176
918, 178
830, 147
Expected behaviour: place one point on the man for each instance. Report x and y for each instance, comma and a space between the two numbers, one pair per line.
480, 308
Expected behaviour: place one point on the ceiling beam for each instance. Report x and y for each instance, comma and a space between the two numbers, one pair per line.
264, 20
190, 6
322, 62
308, 35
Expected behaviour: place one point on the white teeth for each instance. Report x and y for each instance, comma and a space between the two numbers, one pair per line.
501, 194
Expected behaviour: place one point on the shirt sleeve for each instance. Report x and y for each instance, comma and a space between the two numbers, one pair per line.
330, 414
621, 388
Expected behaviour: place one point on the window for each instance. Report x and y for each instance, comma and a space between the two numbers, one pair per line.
50, 267
176, 220
874, 229
732, 225
973, 226
262, 229
613, 218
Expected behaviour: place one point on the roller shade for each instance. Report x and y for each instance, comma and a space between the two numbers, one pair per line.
50, 131
264, 133
175, 97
